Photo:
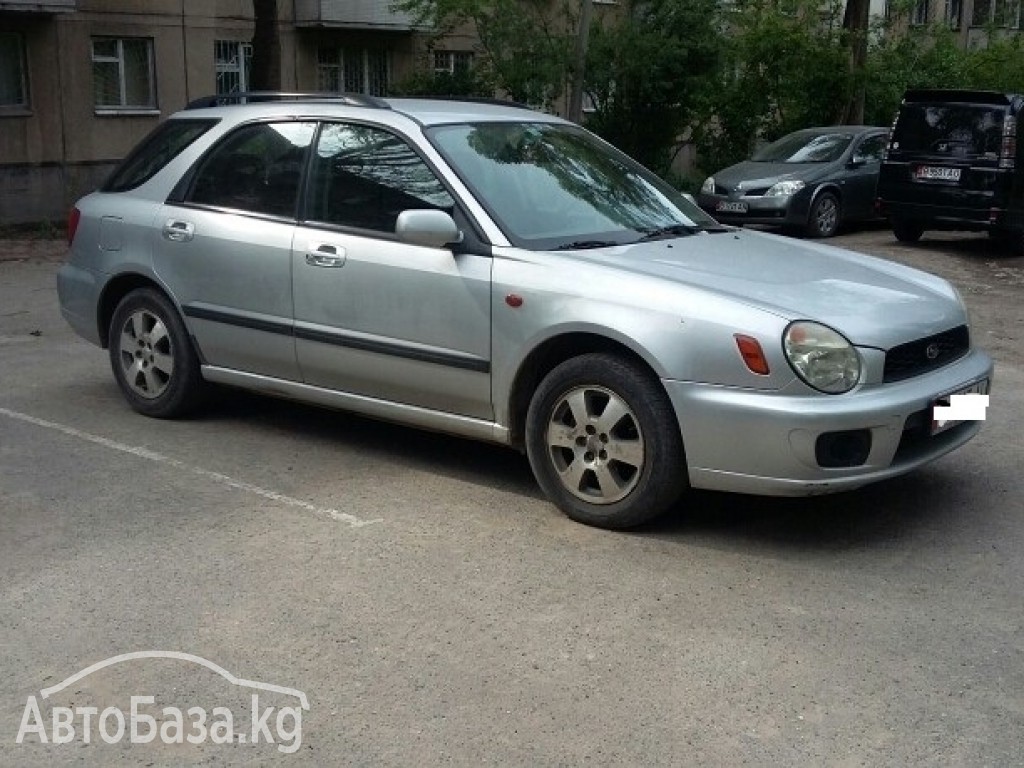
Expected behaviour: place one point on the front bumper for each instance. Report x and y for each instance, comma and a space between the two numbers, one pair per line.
788, 210
763, 443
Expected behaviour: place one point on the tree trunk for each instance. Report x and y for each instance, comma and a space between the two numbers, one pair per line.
265, 74
855, 30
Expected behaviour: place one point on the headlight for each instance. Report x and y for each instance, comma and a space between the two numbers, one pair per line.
821, 357
708, 187
784, 188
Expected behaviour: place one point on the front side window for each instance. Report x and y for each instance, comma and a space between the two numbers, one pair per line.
872, 149
950, 130
363, 177
122, 73
233, 60
353, 70
256, 169
13, 92
551, 186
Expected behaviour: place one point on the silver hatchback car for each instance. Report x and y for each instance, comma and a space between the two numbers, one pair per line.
501, 274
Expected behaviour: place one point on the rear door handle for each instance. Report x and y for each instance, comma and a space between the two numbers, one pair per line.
325, 255
179, 231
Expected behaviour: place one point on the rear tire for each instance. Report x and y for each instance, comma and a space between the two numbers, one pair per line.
1010, 239
152, 356
907, 231
604, 442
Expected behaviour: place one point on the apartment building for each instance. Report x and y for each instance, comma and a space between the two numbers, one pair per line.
81, 81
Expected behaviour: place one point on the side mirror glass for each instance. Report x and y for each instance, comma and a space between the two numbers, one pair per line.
430, 228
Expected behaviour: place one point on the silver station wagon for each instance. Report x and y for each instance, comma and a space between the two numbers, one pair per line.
501, 274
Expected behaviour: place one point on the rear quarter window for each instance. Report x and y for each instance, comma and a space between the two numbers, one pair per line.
161, 146
949, 130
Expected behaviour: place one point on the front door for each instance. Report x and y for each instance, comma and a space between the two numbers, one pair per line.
376, 316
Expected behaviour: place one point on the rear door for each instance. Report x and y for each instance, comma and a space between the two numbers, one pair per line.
224, 249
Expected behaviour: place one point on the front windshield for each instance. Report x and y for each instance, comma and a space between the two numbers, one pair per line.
552, 185
804, 147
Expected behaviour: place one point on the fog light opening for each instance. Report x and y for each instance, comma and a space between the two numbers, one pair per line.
843, 449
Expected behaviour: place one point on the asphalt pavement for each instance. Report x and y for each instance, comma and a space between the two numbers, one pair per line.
433, 608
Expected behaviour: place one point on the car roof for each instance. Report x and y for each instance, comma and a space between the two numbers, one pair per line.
425, 111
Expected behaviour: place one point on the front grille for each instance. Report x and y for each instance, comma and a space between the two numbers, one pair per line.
927, 354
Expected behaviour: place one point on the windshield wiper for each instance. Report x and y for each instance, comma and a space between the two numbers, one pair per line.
680, 229
583, 244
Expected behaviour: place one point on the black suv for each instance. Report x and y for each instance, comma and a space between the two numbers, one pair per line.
953, 163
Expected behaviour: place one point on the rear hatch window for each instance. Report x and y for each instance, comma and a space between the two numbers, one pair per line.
952, 132
161, 146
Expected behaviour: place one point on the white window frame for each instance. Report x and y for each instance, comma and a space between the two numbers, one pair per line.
240, 64
449, 58
1000, 5
19, 41
920, 13
119, 59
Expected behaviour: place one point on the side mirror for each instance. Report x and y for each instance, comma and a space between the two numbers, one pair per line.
430, 228
857, 161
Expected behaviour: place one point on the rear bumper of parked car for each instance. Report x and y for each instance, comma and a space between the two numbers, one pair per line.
787, 210
776, 455
79, 292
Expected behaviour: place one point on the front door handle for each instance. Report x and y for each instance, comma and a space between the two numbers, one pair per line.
179, 231
325, 255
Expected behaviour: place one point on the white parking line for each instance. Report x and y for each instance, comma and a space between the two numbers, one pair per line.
145, 453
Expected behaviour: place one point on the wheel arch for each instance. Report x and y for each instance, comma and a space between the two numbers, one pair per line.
113, 292
547, 355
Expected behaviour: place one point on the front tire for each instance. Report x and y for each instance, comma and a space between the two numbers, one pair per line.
824, 217
152, 357
604, 442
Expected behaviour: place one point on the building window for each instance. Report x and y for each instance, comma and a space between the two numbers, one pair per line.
919, 14
954, 11
13, 92
999, 13
233, 61
122, 73
353, 70
452, 62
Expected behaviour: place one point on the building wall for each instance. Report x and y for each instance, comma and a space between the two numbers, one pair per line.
62, 147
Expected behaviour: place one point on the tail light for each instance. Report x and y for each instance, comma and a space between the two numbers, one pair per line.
892, 133
1008, 150
73, 218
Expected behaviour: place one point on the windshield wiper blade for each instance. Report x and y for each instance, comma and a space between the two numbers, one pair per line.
680, 229
583, 244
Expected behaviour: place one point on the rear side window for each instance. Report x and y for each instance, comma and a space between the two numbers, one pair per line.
949, 130
257, 169
165, 143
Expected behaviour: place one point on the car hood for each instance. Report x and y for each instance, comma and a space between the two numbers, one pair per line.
874, 303
757, 175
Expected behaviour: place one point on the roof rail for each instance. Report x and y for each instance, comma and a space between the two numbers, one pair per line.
498, 102
253, 97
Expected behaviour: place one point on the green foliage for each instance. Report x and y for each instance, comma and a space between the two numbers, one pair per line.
645, 72
429, 83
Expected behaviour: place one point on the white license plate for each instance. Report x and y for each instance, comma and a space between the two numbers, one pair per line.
729, 206
936, 173
941, 425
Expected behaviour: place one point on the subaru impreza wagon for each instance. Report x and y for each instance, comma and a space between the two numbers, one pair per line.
489, 271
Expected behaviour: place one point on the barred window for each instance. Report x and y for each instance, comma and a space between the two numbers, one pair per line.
13, 92
122, 73
353, 70
233, 61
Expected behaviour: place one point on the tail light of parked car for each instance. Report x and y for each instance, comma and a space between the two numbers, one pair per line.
1008, 150
73, 218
